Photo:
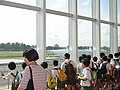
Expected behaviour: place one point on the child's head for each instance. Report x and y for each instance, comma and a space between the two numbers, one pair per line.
88, 57
116, 55
84, 55
95, 59
24, 65
104, 58
55, 63
31, 55
110, 56
85, 63
44, 65
80, 58
67, 56
102, 54
11, 65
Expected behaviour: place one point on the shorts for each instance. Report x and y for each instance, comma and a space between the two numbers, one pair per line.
61, 84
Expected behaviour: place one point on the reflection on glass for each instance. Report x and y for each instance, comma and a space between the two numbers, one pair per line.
118, 11
105, 38
119, 38
28, 2
104, 9
59, 5
17, 25
56, 37
85, 8
84, 37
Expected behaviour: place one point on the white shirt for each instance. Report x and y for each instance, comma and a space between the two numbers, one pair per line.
9, 76
66, 61
86, 74
55, 72
80, 69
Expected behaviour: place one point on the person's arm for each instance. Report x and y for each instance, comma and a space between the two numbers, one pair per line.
83, 78
25, 79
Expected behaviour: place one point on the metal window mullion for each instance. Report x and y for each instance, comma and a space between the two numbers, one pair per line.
96, 27
18, 5
41, 30
73, 37
113, 27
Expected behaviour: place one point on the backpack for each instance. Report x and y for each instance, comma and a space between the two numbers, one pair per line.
103, 68
93, 68
51, 82
14, 83
70, 72
61, 74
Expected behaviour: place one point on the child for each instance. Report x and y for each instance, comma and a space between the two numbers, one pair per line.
11, 75
86, 77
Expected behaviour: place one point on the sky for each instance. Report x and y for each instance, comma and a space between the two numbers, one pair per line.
19, 25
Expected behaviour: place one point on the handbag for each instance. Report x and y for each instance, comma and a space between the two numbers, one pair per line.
30, 85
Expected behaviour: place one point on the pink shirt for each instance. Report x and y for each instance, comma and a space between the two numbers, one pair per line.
39, 77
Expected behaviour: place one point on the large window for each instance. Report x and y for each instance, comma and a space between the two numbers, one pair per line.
105, 38
84, 37
118, 11
17, 32
85, 8
56, 34
17, 25
59, 5
104, 9
119, 38
28, 2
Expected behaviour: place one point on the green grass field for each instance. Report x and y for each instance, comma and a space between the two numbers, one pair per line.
17, 54
10, 54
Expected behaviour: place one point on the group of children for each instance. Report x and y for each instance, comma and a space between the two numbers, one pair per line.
103, 72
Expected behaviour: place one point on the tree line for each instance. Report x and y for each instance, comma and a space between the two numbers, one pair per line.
14, 46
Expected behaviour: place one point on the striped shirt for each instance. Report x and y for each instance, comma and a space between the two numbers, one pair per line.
39, 77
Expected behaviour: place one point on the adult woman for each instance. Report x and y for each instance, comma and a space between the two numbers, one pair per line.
38, 74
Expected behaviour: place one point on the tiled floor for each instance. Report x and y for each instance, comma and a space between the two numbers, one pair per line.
4, 87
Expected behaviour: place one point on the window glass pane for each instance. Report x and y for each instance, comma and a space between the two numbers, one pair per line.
56, 37
119, 38
59, 5
105, 38
17, 32
28, 2
118, 11
85, 8
104, 9
84, 37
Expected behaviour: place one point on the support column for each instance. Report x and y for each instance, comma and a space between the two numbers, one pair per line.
73, 35
96, 34
113, 27
41, 29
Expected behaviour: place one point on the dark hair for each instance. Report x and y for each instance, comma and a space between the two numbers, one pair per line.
86, 62
11, 65
102, 54
24, 65
31, 55
80, 58
110, 56
84, 55
104, 58
88, 57
108, 59
95, 59
55, 62
67, 56
44, 65
116, 54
